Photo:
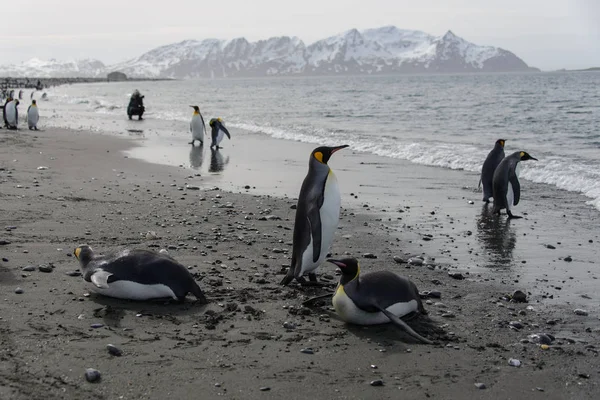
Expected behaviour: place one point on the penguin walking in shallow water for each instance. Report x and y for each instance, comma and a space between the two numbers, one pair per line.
317, 216
489, 166
376, 297
218, 132
506, 187
137, 275
12, 114
33, 116
197, 126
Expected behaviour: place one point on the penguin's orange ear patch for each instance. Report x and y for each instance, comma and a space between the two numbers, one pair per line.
522, 154
319, 156
77, 252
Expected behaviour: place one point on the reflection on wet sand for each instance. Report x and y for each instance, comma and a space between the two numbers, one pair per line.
196, 156
217, 161
497, 237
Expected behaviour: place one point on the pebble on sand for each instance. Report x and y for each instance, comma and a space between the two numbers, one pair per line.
114, 350
513, 362
307, 351
480, 385
377, 382
45, 268
92, 375
519, 297
265, 389
29, 268
19, 290
580, 311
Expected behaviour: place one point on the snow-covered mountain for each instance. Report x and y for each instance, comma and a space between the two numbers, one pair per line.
36, 68
372, 51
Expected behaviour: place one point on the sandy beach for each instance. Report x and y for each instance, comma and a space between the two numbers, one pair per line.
248, 342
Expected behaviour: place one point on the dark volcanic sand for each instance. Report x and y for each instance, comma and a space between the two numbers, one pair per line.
238, 344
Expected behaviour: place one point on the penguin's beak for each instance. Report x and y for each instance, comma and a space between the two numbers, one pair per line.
338, 148
533, 158
337, 262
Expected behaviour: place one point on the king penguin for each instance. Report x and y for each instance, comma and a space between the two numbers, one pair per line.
137, 275
317, 216
12, 114
197, 126
506, 187
33, 116
376, 298
218, 132
489, 166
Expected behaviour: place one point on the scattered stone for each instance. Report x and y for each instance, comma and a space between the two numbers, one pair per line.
580, 311
480, 385
471, 202
435, 294
19, 290
519, 297
456, 275
399, 260
265, 389
448, 315
45, 268
568, 259
289, 325
584, 376
377, 382
4, 259
549, 246
114, 350
92, 375
415, 261
29, 268
369, 255
515, 324
96, 326
541, 338
308, 350
42, 168
4, 242
190, 187
513, 362
73, 273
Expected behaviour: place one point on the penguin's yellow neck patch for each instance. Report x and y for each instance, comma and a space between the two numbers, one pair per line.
196, 113
77, 252
319, 156
522, 153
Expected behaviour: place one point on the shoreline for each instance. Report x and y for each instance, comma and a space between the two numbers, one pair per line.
237, 344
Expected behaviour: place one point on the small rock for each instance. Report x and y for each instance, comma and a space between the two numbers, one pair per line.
73, 273
456, 275
435, 294
448, 315
289, 325
369, 255
29, 268
377, 382
549, 246
92, 375
45, 268
471, 202
265, 389
580, 311
516, 324
399, 260
480, 385
114, 350
568, 259
96, 326
307, 351
541, 338
519, 297
190, 187
4, 259
4, 242
19, 290
513, 362
42, 168
415, 261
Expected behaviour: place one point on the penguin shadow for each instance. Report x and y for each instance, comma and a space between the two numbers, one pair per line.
113, 310
196, 156
217, 161
497, 237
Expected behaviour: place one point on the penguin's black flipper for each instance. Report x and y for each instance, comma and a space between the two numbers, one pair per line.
401, 324
202, 118
516, 187
225, 130
314, 221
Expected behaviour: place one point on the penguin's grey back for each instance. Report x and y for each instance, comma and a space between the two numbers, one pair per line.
489, 167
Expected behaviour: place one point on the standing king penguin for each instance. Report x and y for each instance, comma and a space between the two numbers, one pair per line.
137, 275
507, 190
197, 126
218, 132
317, 217
12, 114
33, 116
376, 298
489, 166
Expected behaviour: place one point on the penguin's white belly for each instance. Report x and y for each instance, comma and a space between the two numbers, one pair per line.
510, 194
349, 312
11, 114
220, 136
330, 217
33, 116
135, 291
197, 128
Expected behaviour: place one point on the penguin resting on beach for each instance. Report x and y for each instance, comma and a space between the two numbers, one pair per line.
33, 116
197, 126
317, 217
376, 298
489, 166
506, 187
218, 132
137, 275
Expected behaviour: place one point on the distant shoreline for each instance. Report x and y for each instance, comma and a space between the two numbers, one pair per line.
31, 83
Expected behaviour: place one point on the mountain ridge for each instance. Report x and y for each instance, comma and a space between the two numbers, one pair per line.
384, 50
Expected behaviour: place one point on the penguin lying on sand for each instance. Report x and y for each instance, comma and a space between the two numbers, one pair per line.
317, 216
137, 275
489, 166
507, 190
376, 297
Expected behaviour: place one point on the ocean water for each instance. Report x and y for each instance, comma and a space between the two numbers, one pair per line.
445, 121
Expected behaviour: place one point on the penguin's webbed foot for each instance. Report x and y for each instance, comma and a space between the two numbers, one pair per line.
512, 216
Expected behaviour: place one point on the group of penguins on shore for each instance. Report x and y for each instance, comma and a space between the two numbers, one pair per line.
363, 299
10, 114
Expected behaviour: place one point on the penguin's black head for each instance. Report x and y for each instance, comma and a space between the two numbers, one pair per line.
349, 267
324, 153
501, 142
196, 109
33, 102
84, 254
525, 156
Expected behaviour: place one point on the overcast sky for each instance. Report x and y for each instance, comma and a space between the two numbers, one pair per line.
548, 34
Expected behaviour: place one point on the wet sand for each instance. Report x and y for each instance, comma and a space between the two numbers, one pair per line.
237, 245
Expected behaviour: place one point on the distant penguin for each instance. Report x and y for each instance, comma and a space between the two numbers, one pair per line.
218, 132
197, 126
8, 100
317, 216
33, 116
506, 187
489, 166
12, 114
20, 95
376, 298
137, 275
